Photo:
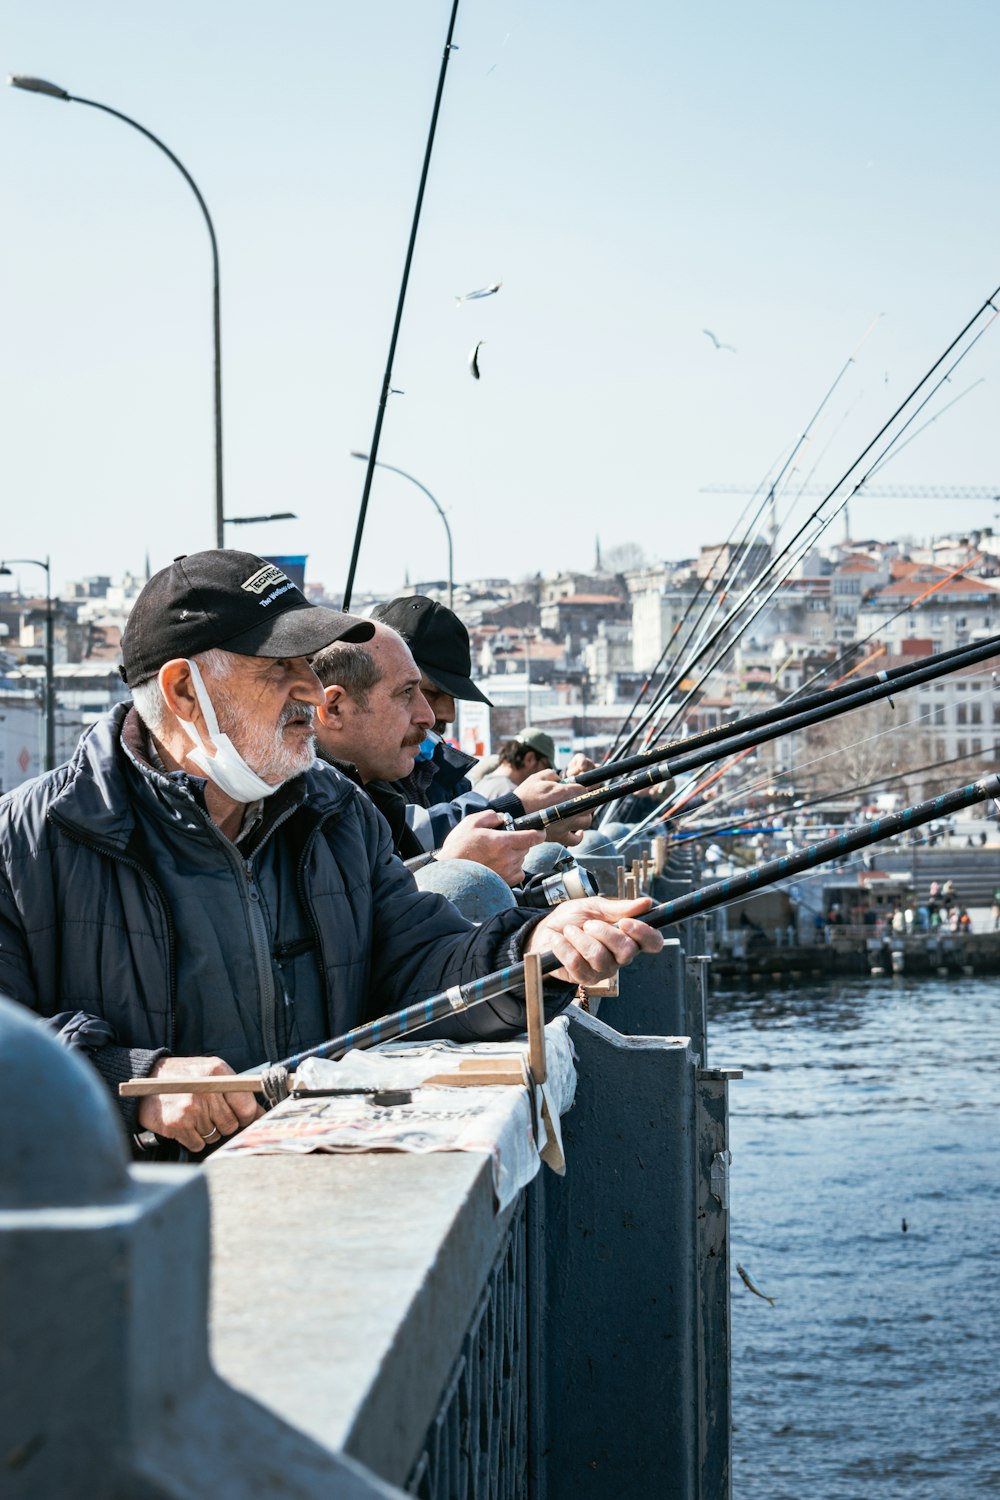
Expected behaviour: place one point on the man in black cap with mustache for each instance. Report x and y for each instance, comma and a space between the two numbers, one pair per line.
191, 895
438, 790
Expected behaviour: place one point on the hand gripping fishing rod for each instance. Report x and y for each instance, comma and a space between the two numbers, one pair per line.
477, 991
951, 660
772, 724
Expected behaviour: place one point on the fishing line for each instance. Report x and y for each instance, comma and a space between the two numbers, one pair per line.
744, 551
821, 798
882, 458
880, 462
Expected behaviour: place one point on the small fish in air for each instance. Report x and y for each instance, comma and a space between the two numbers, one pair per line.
474, 359
482, 291
745, 1278
709, 334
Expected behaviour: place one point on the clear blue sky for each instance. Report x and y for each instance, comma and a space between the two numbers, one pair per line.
780, 173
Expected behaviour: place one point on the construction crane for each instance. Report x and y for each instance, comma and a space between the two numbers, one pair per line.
882, 491
872, 491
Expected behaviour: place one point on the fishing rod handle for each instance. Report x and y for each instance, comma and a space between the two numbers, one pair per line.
424, 1013
723, 891
946, 661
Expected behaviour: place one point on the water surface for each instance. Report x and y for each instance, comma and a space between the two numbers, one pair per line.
865, 1104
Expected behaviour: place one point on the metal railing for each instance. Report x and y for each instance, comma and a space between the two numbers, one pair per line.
476, 1447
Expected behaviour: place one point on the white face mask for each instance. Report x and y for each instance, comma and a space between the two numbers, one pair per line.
226, 767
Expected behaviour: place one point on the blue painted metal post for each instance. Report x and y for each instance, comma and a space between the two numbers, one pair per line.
696, 970
634, 1345
714, 1337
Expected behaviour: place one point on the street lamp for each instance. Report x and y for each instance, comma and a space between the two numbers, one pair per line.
50, 695
380, 465
41, 86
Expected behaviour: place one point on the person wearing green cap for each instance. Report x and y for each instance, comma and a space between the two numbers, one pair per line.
532, 750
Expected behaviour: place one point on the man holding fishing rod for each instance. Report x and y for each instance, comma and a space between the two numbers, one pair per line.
371, 727
437, 790
191, 893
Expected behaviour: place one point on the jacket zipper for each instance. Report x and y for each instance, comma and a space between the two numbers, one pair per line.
308, 907
97, 847
260, 938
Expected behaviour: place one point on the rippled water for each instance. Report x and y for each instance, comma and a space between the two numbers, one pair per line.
876, 1373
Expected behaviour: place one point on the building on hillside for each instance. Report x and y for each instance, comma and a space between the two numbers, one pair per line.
609, 653
576, 618
851, 581
715, 562
656, 620
960, 609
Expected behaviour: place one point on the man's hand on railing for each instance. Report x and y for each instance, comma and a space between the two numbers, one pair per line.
584, 937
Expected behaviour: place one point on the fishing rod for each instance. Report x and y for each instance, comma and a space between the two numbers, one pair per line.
942, 659
739, 824
387, 378
462, 997
815, 514
776, 727
744, 548
680, 805
684, 807
685, 801
693, 793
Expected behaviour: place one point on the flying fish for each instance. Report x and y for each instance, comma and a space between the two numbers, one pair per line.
745, 1278
482, 291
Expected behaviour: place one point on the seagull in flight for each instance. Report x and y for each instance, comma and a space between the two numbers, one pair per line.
483, 291
474, 359
715, 341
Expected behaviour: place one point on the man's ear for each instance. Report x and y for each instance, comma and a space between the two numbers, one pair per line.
332, 712
178, 692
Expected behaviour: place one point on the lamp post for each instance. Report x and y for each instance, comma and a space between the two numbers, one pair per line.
41, 86
380, 465
50, 695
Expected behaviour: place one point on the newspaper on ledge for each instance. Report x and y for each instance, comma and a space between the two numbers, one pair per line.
514, 1130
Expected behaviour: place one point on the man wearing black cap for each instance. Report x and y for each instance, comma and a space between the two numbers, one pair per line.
189, 896
438, 790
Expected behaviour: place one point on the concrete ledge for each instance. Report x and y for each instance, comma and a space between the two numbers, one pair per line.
342, 1287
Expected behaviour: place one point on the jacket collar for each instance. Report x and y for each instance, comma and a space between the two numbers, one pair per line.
108, 769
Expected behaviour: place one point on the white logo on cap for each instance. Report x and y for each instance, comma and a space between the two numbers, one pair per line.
263, 579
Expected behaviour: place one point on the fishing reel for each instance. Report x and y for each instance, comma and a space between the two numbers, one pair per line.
552, 875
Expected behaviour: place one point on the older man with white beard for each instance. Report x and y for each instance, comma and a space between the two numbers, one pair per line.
189, 895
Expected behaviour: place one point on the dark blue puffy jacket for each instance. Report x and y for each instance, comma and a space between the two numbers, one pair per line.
92, 937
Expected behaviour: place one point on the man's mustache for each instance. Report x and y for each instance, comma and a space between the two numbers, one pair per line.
413, 739
306, 712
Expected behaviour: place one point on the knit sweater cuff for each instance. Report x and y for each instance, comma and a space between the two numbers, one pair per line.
509, 804
557, 993
119, 1064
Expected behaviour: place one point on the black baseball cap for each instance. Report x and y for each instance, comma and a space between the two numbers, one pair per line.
232, 600
438, 640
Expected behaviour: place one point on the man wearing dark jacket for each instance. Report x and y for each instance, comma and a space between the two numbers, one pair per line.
189, 896
371, 726
437, 790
